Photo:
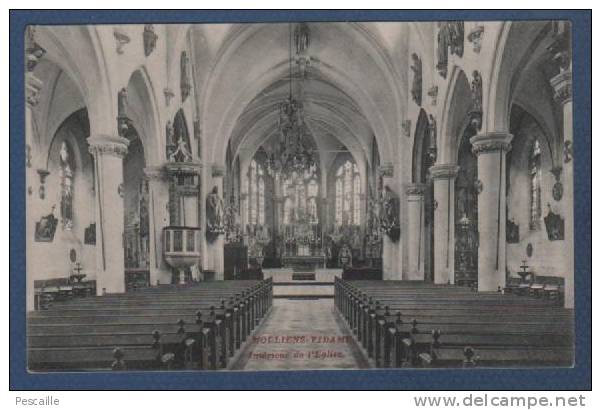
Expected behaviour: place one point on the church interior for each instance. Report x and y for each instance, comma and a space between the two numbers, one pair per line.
352, 194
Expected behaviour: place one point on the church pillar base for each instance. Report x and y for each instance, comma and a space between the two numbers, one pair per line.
443, 177
415, 232
108, 152
491, 149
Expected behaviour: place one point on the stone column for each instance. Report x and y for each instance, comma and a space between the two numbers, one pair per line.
215, 248
562, 84
158, 218
415, 231
324, 205
389, 248
33, 86
108, 152
443, 177
490, 149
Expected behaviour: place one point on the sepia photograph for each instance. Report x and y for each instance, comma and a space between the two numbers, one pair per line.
299, 195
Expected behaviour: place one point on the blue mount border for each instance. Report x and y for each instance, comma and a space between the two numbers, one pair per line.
577, 378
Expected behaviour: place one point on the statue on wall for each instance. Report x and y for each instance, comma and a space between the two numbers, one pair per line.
122, 103
389, 220
450, 38
46, 227
214, 210
432, 133
181, 153
150, 39
170, 145
416, 88
476, 110
124, 123
185, 85
442, 51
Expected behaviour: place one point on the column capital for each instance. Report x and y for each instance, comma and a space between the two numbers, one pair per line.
386, 170
108, 145
415, 189
562, 86
444, 171
491, 142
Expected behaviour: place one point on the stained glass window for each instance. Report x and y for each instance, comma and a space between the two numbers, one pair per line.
348, 195
256, 194
66, 179
534, 165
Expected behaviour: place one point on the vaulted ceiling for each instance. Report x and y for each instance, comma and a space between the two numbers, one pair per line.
353, 89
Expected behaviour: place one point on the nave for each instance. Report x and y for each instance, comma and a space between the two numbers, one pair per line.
239, 325
188, 164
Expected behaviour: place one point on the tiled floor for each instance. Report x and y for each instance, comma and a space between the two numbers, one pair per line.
301, 335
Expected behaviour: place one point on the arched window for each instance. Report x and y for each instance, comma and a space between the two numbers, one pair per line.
534, 169
348, 194
66, 181
256, 194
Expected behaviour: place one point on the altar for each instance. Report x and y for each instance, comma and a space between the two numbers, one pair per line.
309, 261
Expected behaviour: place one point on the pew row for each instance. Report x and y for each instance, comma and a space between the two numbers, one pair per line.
414, 324
198, 326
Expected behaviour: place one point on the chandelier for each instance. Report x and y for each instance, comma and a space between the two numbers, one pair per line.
294, 152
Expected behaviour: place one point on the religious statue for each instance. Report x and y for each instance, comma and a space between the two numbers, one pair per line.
214, 212
181, 153
456, 34
416, 88
301, 38
443, 49
169, 140
432, 131
476, 110
184, 80
450, 38
122, 103
476, 91
150, 39
389, 220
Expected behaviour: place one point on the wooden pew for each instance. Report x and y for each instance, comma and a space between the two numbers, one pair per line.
430, 321
159, 328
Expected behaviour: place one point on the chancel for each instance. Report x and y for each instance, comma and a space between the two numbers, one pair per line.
404, 190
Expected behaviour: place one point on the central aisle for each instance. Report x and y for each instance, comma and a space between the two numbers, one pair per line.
301, 335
